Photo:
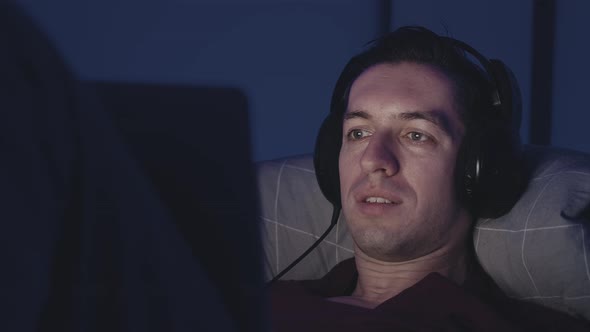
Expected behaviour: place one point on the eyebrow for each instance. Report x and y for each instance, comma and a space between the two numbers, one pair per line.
438, 118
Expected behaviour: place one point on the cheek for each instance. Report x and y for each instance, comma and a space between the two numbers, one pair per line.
434, 180
348, 170
344, 171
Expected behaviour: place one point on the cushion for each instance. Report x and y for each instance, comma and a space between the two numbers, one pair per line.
537, 252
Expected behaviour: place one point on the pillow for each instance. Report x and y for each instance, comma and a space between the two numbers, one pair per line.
294, 214
537, 252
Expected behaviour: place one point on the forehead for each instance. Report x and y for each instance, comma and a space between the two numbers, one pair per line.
403, 87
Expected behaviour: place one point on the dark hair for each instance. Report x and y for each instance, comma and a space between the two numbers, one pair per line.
473, 88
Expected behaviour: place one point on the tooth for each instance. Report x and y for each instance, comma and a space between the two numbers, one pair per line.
377, 200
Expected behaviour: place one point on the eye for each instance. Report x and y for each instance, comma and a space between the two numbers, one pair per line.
356, 134
418, 137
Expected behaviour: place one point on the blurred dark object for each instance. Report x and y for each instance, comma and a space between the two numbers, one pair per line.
192, 143
105, 231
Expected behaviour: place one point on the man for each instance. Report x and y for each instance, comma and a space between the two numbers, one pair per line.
406, 115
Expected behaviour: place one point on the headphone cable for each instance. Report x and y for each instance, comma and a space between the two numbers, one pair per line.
333, 222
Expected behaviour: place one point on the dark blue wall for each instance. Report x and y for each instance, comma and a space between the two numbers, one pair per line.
571, 87
285, 55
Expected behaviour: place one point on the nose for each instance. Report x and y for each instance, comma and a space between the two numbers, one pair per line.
380, 156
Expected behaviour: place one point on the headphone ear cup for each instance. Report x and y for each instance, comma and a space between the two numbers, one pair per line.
326, 155
509, 94
499, 175
467, 176
492, 180
498, 181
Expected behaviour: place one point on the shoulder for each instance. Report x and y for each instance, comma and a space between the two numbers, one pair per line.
302, 305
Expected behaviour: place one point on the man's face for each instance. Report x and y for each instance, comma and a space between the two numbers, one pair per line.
401, 136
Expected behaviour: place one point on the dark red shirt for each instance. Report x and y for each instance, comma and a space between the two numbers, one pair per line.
433, 304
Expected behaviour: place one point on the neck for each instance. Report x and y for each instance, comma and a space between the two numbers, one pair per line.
379, 281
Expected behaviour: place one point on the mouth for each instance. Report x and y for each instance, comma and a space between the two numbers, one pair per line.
377, 200
377, 205
385, 198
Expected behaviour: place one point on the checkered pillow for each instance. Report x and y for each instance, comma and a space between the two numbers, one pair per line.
539, 251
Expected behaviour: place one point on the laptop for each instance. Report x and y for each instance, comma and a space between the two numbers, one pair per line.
124, 207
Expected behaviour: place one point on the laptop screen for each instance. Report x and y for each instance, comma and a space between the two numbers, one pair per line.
193, 143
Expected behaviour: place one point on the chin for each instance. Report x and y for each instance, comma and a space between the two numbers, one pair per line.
383, 246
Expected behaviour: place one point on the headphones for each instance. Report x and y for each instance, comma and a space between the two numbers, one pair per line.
488, 171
